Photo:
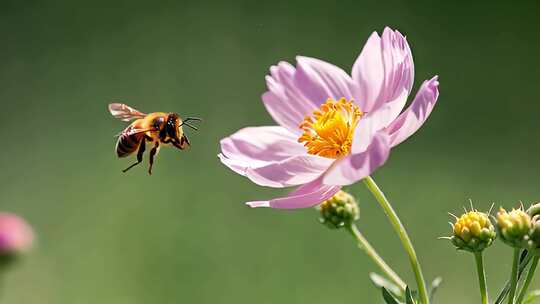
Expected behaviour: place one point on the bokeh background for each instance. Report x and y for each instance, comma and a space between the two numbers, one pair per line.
183, 235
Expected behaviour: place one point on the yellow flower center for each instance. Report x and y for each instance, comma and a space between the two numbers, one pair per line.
329, 131
471, 223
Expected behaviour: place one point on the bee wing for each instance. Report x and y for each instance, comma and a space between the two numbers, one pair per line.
130, 130
124, 112
134, 131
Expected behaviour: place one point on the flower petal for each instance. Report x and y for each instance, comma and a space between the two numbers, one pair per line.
271, 156
321, 80
294, 93
284, 101
293, 171
368, 126
412, 119
384, 72
357, 166
261, 145
308, 195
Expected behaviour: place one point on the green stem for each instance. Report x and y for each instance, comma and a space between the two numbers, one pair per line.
403, 236
481, 276
528, 280
513, 276
370, 251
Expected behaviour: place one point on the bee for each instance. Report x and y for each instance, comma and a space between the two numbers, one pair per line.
157, 128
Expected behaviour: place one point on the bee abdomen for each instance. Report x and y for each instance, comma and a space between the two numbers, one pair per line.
128, 144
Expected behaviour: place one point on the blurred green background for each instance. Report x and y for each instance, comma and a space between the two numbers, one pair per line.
183, 235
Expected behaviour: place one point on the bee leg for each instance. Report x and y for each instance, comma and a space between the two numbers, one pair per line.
140, 153
184, 142
181, 143
153, 153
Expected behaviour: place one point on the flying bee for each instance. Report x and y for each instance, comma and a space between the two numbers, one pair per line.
157, 128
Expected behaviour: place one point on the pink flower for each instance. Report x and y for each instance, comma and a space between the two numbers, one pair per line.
16, 236
334, 129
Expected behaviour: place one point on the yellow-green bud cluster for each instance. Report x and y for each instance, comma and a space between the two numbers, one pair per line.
339, 211
514, 227
534, 234
473, 232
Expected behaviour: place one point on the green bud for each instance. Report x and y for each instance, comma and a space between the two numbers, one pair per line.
473, 232
534, 233
514, 227
534, 210
339, 211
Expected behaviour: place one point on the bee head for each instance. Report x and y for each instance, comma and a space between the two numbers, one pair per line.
173, 126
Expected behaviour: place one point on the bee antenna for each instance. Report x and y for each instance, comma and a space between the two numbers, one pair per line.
189, 125
185, 122
193, 127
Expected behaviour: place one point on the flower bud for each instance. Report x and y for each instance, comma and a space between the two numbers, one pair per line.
16, 238
534, 234
534, 210
473, 232
514, 227
339, 211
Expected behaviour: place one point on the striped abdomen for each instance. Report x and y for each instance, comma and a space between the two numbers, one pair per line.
128, 143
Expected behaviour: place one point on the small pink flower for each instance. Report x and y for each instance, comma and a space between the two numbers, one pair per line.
16, 236
334, 129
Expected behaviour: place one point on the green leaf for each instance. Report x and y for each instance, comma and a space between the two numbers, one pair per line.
523, 262
434, 286
381, 282
388, 297
532, 296
408, 296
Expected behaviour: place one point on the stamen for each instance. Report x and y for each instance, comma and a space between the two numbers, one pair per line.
330, 129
